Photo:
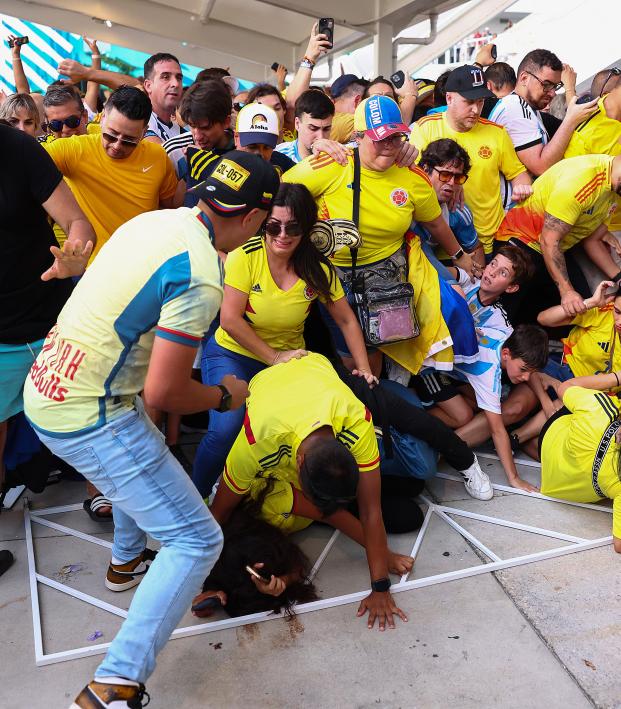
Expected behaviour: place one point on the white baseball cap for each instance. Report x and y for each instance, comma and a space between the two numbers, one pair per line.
257, 123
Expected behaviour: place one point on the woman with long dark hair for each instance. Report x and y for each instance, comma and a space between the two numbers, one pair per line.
269, 287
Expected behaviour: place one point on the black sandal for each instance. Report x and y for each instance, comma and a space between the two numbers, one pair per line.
92, 505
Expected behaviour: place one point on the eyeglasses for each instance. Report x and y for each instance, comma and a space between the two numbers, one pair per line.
615, 71
447, 176
547, 86
117, 139
238, 106
275, 229
71, 122
392, 141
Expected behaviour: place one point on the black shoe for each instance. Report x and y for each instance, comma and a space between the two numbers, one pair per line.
6, 560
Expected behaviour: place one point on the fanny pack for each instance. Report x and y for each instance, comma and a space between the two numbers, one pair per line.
383, 297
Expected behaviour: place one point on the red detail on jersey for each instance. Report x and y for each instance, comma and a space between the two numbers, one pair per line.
249, 308
421, 173
248, 430
399, 197
320, 161
487, 122
367, 414
368, 466
590, 187
432, 117
233, 483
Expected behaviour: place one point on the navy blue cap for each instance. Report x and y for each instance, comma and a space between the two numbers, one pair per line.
339, 86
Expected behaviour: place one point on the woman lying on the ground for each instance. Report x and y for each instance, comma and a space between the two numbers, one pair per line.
249, 541
579, 445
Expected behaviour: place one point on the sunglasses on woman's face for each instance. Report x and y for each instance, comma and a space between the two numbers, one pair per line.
447, 176
70, 122
275, 229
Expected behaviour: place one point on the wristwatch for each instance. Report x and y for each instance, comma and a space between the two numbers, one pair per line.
225, 401
457, 255
381, 585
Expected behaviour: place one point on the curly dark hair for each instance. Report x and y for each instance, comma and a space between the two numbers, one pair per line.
247, 541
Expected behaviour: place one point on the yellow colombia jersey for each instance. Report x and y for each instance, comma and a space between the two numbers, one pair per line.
276, 316
159, 275
310, 395
598, 134
590, 344
577, 191
389, 202
342, 127
111, 192
491, 153
579, 453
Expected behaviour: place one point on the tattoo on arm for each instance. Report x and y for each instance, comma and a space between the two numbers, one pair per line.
558, 259
556, 224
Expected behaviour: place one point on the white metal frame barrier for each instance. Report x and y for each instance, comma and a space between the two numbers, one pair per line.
444, 512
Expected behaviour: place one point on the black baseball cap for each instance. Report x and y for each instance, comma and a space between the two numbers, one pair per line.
468, 81
239, 182
340, 84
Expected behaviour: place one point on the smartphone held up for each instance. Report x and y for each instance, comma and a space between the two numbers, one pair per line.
326, 27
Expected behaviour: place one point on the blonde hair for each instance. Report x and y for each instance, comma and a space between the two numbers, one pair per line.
17, 102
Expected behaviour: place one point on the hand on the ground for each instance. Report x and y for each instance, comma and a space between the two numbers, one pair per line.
74, 70
238, 389
381, 607
206, 612
578, 112
470, 266
337, 151
407, 154
523, 485
68, 262
285, 356
367, 375
318, 44
274, 587
599, 297
521, 192
399, 563
572, 303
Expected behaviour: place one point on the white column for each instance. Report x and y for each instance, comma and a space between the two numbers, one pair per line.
382, 50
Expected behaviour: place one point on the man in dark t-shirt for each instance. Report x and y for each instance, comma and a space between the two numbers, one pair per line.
34, 272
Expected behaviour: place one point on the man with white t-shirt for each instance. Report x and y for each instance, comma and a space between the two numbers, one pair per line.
538, 80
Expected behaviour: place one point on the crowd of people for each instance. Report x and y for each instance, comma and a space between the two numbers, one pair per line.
350, 280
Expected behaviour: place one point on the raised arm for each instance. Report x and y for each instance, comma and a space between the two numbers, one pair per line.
21, 82
556, 315
78, 72
92, 88
318, 45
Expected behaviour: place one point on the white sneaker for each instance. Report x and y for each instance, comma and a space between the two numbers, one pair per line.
477, 483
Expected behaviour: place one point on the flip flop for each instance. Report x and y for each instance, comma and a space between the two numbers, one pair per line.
91, 506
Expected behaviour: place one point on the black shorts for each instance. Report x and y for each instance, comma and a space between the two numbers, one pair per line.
434, 387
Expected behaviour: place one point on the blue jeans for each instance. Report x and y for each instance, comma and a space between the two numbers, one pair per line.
129, 462
223, 428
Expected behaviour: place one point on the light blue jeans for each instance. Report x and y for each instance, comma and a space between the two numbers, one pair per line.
129, 462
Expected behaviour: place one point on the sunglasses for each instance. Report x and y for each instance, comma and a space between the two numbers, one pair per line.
547, 86
447, 176
117, 139
70, 122
275, 229
615, 71
238, 106
392, 141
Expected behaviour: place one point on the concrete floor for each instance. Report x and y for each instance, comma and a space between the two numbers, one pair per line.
542, 635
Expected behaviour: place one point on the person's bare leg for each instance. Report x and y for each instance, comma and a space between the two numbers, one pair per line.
455, 412
531, 448
531, 428
519, 403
